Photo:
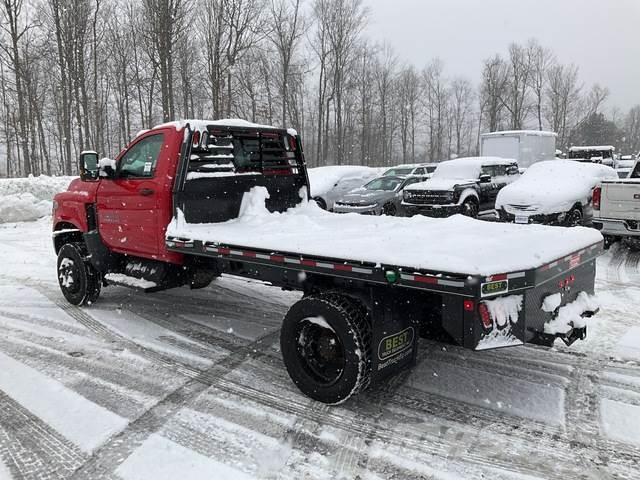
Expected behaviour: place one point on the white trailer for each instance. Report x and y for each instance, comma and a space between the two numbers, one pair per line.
525, 146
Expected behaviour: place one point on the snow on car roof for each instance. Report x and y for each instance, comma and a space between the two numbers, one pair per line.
472, 247
586, 148
225, 122
554, 186
465, 168
539, 133
322, 179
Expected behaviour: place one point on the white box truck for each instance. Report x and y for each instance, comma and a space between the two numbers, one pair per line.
525, 146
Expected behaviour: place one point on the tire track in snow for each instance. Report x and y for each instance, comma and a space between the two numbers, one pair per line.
30, 448
450, 410
277, 403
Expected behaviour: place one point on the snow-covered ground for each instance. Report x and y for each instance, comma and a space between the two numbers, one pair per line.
190, 385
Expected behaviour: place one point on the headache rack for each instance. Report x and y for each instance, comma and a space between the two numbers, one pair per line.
219, 164
225, 150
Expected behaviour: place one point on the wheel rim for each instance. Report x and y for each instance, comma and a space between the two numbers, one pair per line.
575, 218
320, 351
69, 276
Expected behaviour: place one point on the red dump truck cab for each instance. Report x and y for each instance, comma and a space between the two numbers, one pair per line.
188, 201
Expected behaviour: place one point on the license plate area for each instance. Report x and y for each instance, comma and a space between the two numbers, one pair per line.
522, 219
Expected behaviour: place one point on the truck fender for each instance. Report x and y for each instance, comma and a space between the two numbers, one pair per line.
65, 232
466, 193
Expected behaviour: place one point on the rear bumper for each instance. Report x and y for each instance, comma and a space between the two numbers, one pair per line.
617, 228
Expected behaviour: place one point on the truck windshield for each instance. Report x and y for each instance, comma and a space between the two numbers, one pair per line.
384, 183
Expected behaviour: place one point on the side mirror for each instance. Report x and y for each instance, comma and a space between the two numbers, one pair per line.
485, 178
512, 170
88, 166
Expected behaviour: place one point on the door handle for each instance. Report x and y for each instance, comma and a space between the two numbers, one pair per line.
145, 192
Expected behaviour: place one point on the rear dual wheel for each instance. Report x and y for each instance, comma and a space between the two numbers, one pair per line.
326, 347
79, 281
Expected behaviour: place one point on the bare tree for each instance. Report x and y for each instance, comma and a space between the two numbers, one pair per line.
409, 90
163, 26
541, 59
563, 99
493, 90
518, 79
286, 33
436, 99
461, 104
13, 27
346, 19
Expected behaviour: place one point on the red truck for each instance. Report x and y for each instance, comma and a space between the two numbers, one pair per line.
165, 214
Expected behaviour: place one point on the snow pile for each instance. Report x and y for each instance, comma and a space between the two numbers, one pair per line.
551, 302
323, 179
570, 316
254, 205
505, 309
471, 246
554, 186
27, 199
499, 338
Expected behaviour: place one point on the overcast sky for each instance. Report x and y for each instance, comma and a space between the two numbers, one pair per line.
602, 37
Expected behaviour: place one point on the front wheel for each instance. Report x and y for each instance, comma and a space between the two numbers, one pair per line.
326, 347
574, 218
470, 208
320, 202
78, 280
390, 210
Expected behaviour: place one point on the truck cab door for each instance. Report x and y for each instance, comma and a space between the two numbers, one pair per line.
127, 205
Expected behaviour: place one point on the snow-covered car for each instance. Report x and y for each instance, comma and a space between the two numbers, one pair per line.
556, 192
423, 169
332, 182
381, 196
465, 185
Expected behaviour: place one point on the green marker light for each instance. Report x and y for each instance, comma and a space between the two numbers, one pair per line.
391, 276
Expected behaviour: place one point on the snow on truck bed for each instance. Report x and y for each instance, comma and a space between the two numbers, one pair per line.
456, 244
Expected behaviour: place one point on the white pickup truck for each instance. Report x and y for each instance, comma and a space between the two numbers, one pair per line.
616, 207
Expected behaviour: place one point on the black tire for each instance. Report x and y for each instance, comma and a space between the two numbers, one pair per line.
574, 218
79, 282
609, 240
390, 210
321, 203
328, 359
470, 208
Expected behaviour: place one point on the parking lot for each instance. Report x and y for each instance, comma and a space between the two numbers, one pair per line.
179, 383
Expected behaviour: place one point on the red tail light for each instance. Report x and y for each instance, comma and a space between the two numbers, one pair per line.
485, 316
195, 139
469, 306
597, 195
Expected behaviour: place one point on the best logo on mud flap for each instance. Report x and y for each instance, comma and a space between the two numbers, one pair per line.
395, 344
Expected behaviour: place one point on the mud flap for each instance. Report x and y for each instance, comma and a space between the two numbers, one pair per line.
394, 320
